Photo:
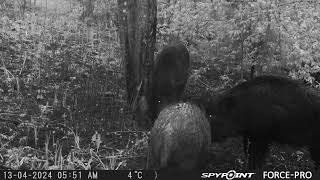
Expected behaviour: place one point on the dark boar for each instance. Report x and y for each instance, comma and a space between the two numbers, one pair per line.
170, 75
180, 138
168, 79
269, 109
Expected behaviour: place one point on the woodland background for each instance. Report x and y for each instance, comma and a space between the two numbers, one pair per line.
63, 93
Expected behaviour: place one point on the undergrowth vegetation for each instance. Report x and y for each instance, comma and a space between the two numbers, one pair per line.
62, 86
62, 92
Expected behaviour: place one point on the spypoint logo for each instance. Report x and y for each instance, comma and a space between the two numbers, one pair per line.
232, 174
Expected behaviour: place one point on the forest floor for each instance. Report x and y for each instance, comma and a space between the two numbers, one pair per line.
63, 102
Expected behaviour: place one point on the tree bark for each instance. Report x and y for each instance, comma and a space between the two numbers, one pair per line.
137, 31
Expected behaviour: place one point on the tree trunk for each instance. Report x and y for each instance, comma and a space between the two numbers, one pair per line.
137, 31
